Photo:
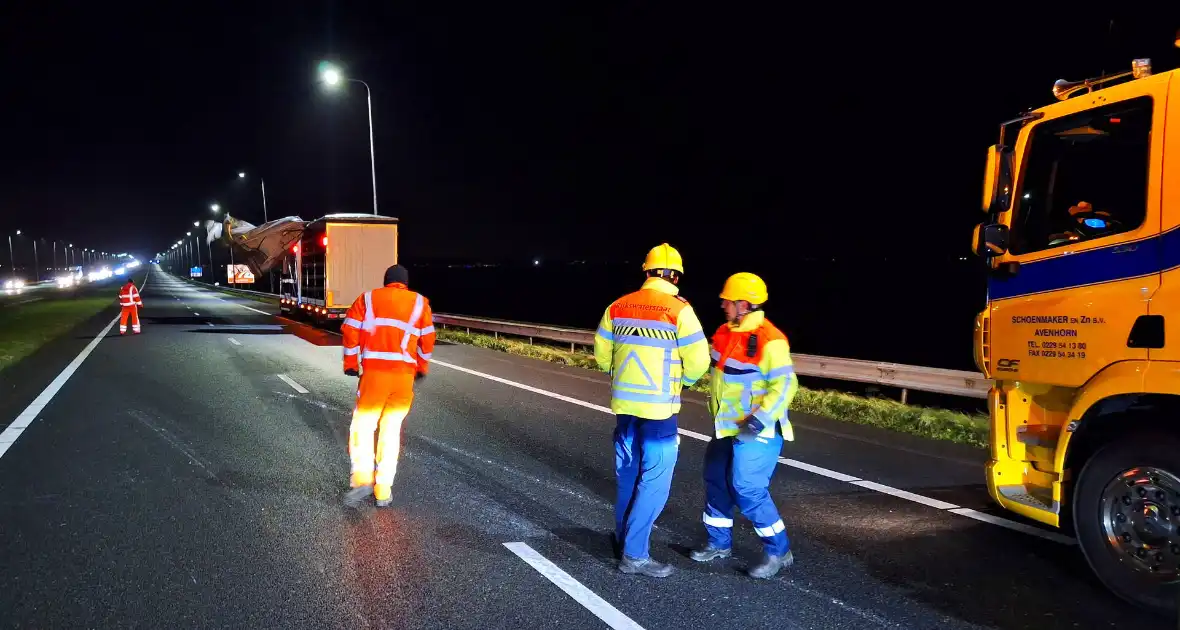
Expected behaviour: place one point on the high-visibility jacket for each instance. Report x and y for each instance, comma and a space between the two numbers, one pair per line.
651, 343
389, 329
752, 378
129, 295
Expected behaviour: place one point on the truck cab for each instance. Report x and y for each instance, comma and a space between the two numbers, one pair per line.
338, 257
1081, 333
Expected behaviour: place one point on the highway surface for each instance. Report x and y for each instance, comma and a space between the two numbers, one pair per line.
191, 477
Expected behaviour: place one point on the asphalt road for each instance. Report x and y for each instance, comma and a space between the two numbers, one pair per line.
191, 477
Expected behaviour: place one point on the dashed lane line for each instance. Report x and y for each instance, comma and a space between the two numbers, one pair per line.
295, 386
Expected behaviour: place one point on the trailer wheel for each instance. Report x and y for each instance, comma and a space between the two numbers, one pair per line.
1126, 512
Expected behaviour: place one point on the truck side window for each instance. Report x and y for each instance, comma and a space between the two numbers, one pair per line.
1085, 177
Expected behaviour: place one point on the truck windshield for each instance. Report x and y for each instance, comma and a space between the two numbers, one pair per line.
1085, 177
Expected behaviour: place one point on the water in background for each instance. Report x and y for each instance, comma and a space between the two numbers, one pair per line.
884, 310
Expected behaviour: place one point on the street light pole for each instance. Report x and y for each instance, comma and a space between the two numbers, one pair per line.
36, 264
53, 244
11, 257
332, 77
265, 219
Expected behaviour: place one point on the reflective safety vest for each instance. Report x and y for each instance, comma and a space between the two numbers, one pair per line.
651, 343
754, 375
389, 329
129, 295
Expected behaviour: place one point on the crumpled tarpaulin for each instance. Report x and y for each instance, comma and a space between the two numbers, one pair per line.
262, 247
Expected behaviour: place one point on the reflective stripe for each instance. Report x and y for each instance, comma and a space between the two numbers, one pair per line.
716, 355
651, 342
351, 351
429, 330
646, 398
643, 323
605, 334
412, 324
368, 310
405, 327
726, 425
767, 532
691, 339
425, 355
387, 356
716, 521
348, 321
734, 363
785, 370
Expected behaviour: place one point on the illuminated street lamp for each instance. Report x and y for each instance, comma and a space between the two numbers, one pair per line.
332, 78
242, 175
215, 208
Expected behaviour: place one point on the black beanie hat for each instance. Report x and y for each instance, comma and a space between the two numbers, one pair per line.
397, 274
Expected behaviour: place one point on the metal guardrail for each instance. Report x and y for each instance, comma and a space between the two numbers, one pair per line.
904, 377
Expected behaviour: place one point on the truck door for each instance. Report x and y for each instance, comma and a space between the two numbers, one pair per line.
1085, 227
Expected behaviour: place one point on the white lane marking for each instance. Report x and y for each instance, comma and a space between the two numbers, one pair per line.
209, 324
252, 309
575, 589
295, 386
831, 474
819, 470
902, 494
195, 313
234, 341
1013, 525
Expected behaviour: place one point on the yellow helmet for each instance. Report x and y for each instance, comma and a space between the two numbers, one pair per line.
663, 256
744, 286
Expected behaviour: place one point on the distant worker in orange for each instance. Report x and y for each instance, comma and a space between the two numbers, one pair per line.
388, 339
130, 302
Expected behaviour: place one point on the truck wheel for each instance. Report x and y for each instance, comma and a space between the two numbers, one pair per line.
1126, 512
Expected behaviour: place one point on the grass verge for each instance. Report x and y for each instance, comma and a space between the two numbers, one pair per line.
27, 327
939, 424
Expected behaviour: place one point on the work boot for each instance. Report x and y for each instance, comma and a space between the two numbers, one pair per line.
771, 565
644, 566
383, 494
356, 496
709, 552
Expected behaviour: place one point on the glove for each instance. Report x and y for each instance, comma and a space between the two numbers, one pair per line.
750, 429
351, 372
419, 376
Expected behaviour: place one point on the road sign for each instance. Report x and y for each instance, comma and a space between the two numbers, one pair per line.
195, 272
239, 274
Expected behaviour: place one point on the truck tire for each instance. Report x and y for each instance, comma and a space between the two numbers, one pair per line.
1126, 514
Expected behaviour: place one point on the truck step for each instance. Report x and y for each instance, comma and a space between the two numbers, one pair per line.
1032, 496
1043, 435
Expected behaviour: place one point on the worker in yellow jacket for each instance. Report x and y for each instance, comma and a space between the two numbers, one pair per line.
752, 386
651, 343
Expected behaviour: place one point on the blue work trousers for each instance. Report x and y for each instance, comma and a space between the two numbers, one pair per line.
645, 454
737, 474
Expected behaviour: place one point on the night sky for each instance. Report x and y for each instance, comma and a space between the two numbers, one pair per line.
540, 131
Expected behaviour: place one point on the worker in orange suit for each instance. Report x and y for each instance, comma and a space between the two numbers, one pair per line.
388, 339
130, 303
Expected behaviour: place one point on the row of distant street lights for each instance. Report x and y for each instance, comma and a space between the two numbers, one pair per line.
85, 255
332, 78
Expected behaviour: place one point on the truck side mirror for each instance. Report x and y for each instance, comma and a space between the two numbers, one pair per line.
990, 240
991, 177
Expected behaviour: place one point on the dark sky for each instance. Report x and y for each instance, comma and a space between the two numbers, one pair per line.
544, 130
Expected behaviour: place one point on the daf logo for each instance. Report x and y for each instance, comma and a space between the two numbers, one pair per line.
1008, 365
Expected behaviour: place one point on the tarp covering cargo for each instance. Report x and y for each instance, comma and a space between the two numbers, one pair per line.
261, 247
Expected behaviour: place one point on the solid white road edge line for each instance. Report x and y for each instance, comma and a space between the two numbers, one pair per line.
831, 474
575, 589
295, 386
17, 427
